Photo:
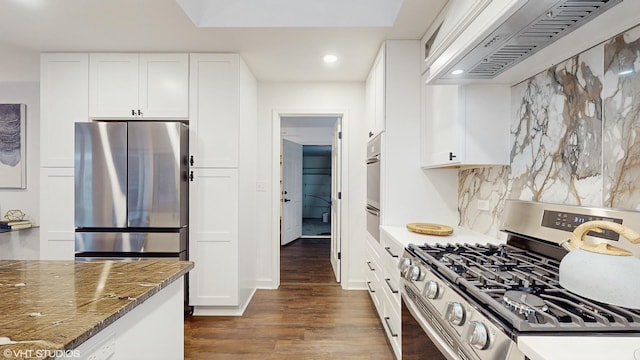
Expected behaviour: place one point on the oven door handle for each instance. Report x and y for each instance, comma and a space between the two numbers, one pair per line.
373, 160
373, 211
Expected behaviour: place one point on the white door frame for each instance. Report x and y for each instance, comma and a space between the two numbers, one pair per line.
275, 182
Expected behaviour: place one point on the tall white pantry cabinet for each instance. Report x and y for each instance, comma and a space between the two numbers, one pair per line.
64, 100
222, 115
223, 137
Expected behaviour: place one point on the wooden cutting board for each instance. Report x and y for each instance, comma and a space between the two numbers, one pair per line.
430, 229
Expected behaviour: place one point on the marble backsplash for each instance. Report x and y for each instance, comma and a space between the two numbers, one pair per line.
575, 132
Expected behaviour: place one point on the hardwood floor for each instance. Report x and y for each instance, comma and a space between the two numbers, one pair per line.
308, 317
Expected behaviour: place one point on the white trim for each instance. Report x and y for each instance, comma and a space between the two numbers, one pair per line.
275, 186
223, 310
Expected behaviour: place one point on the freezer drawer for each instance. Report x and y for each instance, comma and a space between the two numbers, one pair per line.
131, 242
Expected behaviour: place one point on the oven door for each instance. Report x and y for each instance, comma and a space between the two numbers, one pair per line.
373, 222
373, 171
416, 344
373, 182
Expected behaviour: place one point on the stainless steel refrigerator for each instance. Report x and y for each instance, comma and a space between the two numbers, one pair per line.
131, 190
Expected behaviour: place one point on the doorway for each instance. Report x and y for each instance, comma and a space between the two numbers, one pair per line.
316, 191
310, 181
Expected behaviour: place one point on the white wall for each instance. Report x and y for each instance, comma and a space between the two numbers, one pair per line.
18, 64
314, 98
27, 200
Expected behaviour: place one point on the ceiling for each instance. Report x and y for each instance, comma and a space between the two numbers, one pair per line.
28, 27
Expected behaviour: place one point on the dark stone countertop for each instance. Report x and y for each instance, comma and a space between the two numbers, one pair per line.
58, 305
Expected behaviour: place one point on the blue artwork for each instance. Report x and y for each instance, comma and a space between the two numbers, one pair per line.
12, 146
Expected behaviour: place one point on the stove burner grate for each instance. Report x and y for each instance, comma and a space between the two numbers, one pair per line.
522, 288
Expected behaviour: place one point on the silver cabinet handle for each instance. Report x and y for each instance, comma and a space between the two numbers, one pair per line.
369, 286
386, 321
390, 253
388, 281
369, 265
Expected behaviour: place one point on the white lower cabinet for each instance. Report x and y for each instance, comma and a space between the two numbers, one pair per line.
57, 232
383, 280
213, 237
373, 273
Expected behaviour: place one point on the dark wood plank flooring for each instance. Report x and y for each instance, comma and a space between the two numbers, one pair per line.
308, 317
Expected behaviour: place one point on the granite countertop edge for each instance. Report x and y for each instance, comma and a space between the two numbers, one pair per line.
126, 309
14, 275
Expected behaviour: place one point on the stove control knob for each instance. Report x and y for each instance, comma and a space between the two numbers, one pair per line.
455, 313
415, 273
478, 335
403, 264
431, 289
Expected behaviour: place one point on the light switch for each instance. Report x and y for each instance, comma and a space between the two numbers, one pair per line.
261, 186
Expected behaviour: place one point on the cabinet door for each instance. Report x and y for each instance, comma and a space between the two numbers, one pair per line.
113, 85
442, 110
213, 237
370, 103
214, 109
64, 99
375, 100
57, 233
380, 92
164, 85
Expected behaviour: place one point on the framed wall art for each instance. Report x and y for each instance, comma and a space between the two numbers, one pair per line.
13, 146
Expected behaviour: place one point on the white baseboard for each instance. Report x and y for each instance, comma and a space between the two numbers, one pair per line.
223, 310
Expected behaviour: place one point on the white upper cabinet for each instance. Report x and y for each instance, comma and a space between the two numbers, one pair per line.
64, 99
215, 109
375, 95
139, 86
465, 126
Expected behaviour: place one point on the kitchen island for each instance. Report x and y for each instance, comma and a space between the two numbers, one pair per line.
92, 309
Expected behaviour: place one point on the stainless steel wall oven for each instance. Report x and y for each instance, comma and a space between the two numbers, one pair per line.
373, 186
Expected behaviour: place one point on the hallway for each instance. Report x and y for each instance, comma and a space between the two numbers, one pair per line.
308, 317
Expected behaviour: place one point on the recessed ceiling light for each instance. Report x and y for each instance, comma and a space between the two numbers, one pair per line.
330, 58
457, 72
625, 72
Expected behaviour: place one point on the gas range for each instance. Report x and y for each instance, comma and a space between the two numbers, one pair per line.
479, 299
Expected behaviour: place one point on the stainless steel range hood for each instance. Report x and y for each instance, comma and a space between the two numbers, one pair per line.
533, 26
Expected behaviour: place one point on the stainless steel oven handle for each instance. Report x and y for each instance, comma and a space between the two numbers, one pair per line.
373, 160
386, 321
388, 281
373, 211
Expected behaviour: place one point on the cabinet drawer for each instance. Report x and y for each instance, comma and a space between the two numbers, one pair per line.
391, 254
373, 285
392, 247
391, 285
392, 323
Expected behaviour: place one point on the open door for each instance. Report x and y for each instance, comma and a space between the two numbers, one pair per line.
336, 195
291, 192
